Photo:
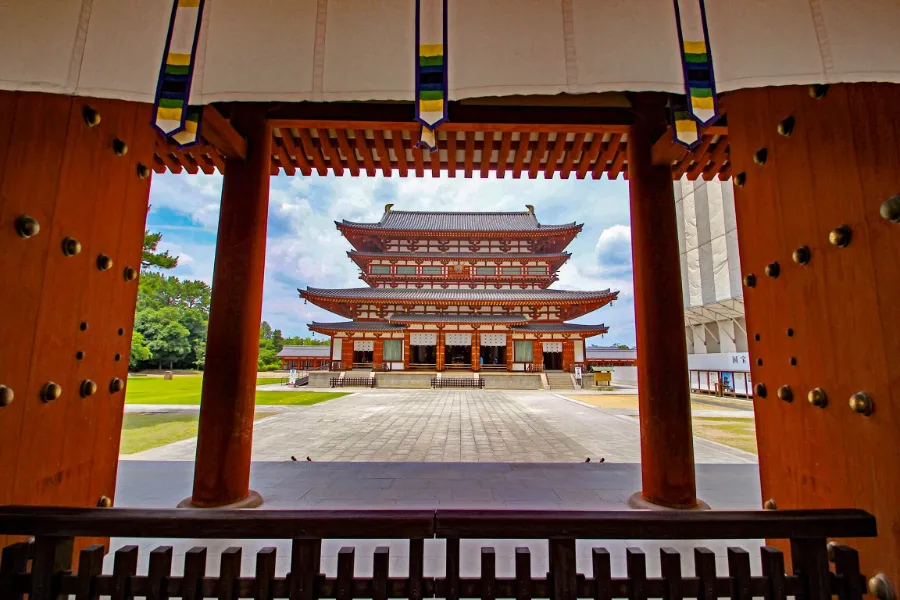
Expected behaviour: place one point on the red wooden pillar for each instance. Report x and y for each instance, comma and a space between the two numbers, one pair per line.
537, 354
441, 350
568, 355
476, 352
406, 350
509, 351
222, 470
667, 451
347, 354
378, 353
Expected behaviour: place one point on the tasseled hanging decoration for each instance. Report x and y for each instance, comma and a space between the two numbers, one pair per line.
431, 69
698, 107
172, 115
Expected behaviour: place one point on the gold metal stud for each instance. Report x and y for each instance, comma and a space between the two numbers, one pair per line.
840, 236
770, 504
27, 226
740, 179
129, 274
818, 91
104, 502
801, 255
817, 397
71, 246
116, 385
761, 156
104, 263
6, 396
750, 280
862, 403
890, 209
143, 171
91, 117
786, 127
785, 393
120, 147
50, 392
760, 391
881, 587
773, 270
88, 388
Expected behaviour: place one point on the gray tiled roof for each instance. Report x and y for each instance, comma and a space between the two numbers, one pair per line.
458, 221
305, 351
513, 256
358, 326
559, 327
409, 294
439, 318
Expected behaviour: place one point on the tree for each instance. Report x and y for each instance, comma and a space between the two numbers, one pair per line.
623, 347
151, 258
139, 350
167, 339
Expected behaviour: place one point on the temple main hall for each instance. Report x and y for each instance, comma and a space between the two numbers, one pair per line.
458, 290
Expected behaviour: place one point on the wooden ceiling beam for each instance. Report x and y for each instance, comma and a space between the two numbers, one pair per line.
470, 153
521, 151
287, 140
503, 154
359, 137
538, 155
486, 153
330, 152
451, 154
609, 153
311, 150
219, 132
383, 157
415, 138
589, 156
571, 155
400, 152
344, 146
555, 154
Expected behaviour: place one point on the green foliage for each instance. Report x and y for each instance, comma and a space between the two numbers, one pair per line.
139, 350
151, 258
624, 347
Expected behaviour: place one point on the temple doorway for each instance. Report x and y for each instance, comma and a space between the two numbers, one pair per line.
458, 357
423, 350
553, 356
493, 357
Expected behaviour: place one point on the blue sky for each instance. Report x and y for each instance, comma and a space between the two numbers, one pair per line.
304, 247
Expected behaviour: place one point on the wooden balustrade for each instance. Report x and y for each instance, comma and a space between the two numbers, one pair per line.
40, 568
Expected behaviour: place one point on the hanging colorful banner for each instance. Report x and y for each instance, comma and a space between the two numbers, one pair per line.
699, 106
172, 115
431, 69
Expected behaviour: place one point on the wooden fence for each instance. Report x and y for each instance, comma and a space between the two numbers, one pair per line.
40, 568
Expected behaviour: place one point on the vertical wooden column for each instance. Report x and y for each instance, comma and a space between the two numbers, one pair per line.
509, 351
476, 351
378, 353
537, 354
406, 350
440, 350
222, 470
347, 354
667, 451
568, 355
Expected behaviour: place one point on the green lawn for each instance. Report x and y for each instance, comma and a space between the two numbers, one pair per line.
142, 431
185, 389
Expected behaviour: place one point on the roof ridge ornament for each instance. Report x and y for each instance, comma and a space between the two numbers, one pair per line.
431, 70
698, 107
173, 116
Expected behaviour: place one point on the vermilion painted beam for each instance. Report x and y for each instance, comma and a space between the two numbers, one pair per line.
220, 133
667, 453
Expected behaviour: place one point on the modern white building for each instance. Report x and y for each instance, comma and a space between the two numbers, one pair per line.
715, 329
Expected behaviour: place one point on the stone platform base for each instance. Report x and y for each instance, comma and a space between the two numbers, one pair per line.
253, 500
637, 500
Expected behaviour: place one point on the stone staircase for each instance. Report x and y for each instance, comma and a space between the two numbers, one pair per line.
559, 381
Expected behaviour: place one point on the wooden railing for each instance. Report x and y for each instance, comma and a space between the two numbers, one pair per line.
39, 568
457, 382
345, 381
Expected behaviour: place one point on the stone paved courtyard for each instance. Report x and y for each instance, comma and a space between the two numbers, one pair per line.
449, 426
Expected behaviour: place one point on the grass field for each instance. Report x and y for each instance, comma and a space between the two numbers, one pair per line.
185, 389
143, 431
737, 433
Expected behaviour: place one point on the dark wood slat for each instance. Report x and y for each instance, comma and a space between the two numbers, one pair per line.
470, 153
331, 153
503, 154
13, 561
451, 154
124, 569
553, 160
486, 153
359, 138
380, 567
194, 572
739, 570
773, 570
809, 557
523, 574
571, 154
538, 155
452, 576
636, 565
229, 572
705, 567
416, 567
670, 569
384, 158
264, 584
90, 566
610, 149
400, 152
344, 588
159, 572
310, 149
616, 167
562, 568
284, 159
51, 555
602, 571
846, 565
488, 574
306, 556
219, 132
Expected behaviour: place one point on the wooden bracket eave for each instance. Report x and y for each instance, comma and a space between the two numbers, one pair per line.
219, 132
666, 151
